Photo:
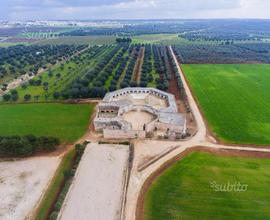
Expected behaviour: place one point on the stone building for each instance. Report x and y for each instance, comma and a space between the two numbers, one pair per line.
139, 113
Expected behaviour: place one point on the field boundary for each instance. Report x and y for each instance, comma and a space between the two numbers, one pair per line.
139, 215
209, 130
138, 66
208, 127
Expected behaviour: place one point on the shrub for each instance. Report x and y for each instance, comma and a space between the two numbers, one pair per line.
56, 95
24, 86
53, 216
7, 97
27, 97
68, 174
26, 145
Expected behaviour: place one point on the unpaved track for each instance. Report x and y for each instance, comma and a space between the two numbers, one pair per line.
137, 179
138, 66
201, 127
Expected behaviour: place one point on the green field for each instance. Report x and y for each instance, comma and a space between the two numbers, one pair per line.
184, 191
64, 121
235, 100
166, 39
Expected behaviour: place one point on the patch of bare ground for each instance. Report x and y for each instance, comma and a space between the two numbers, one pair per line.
219, 152
22, 184
138, 66
98, 186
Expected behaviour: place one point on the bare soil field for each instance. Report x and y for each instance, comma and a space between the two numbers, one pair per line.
97, 190
22, 183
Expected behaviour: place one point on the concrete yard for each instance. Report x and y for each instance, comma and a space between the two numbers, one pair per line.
97, 190
22, 183
138, 119
145, 99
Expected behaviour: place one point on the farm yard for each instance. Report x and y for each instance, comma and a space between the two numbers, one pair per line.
189, 189
106, 166
64, 121
22, 183
234, 99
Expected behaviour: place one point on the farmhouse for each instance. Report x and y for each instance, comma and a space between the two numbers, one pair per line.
139, 113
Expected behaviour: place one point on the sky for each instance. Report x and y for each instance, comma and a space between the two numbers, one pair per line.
132, 9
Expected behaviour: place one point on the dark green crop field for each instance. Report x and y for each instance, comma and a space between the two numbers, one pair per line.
197, 187
64, 121
235, 100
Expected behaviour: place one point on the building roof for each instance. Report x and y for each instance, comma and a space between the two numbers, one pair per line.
171, 118
168, 115
172, 107
117, 103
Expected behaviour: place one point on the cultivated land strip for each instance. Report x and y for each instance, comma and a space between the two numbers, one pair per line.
201, 138
138, 66
25, 78
235, 98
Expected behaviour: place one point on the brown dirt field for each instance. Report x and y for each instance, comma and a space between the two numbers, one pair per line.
138, 66
218, 152
173, 87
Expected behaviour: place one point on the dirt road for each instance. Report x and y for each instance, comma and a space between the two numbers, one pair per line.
137, 178
138, 66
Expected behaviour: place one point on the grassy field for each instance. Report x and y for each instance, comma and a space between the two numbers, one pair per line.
184, 191
166, 39
235, 100
65, 121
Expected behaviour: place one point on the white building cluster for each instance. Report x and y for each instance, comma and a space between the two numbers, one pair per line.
139, 113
